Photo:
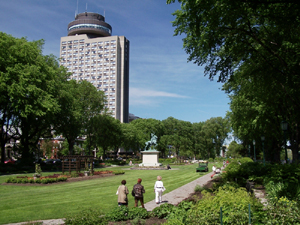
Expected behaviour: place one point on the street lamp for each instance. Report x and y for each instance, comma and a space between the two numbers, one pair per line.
254, 150
284, 127
249, 147
262, 141
38, 153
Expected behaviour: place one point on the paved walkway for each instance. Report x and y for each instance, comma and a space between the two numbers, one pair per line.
174, 197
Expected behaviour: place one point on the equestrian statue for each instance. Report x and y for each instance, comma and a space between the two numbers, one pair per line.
150, 145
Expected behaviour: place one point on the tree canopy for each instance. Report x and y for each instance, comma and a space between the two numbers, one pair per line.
253, 46
79, 102
29, 84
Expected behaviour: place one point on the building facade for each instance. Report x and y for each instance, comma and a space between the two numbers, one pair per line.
90, 53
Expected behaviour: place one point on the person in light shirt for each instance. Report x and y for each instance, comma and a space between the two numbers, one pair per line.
214, 168
122, 193
159, 189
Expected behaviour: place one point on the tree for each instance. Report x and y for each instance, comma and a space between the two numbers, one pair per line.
256, 39
144, 128
29, 84
215, 130
47, 146
198, 148
254, 113
234, 150
108, 133
130, 137
223, 35
177, 133
79, 103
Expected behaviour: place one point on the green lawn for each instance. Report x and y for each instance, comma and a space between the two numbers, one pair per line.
29, 203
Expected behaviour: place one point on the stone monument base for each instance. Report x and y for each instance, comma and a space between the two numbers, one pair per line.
150, 159
150, 164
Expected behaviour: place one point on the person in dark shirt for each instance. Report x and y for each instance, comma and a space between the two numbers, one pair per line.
138, 191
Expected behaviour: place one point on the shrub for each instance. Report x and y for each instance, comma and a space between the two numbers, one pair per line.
283, 212
199, 188
179, 213
24, 180
241, 172
102, 172
117, 172
185, 205
37, 181
60, 179
137, 213
174, 221
275, 191
87, 217
74, 174
14, 180
19, 181
235, 203
167, 161
138, 221
45, 181
31, 181
8, 180
163, 211
118, 214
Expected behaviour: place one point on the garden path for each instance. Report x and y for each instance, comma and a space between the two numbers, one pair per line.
176, 196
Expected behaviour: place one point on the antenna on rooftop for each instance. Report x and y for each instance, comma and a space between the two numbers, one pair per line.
104, 13
77, 7
86, 7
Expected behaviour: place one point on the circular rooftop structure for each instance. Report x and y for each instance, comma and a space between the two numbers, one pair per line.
91, 24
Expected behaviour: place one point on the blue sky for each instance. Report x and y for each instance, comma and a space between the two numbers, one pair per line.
162, 82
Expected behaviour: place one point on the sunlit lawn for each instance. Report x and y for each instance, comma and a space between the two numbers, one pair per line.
29, 203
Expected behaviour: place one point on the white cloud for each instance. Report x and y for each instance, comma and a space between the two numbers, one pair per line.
152, 93
142, 96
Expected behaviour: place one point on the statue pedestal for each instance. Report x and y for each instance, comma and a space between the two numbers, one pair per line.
150, 159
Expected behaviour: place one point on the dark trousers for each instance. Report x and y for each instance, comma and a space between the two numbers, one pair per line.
141, 199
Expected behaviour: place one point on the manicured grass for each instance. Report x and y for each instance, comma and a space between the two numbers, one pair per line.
29, 203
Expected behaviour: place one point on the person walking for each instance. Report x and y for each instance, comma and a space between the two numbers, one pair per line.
214, 170
159, 189
138, 193
122, 193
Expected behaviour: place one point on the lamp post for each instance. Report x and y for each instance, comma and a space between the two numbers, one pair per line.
249, 147
38, 153
284, 127
263, 146
254, 150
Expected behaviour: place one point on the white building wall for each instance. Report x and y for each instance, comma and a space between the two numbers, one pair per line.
103, 61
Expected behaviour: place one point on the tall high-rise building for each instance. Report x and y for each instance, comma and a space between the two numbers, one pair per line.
91, 53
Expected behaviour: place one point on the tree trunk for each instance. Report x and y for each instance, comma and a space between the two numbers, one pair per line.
2, 151
295, 145
71, 146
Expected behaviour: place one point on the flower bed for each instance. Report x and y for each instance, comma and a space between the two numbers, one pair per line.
56, 177
102, 172
42, 180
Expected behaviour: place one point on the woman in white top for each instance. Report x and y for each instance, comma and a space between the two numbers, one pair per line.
158, 189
